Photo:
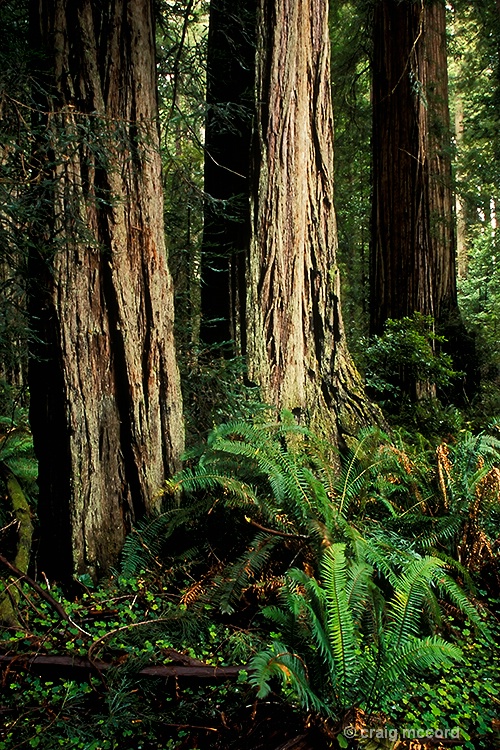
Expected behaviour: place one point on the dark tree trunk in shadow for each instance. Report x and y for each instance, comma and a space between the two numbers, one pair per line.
413, 254
230, 109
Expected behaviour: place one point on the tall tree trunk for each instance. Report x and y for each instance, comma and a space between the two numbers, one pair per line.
230, 109
297, 348
460, 204
105, 398
413, 248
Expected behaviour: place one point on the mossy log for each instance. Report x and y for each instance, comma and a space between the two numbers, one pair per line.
9, 598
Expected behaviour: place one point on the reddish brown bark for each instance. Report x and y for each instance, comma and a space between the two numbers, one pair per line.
106, 407
413, 249
297, 349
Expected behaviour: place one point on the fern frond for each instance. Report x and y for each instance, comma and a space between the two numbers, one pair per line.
378, 555
446, 585
147, 540
409, 597
237, 577
358, 468
289, 669
202, 479
416, 654
358, 588
340, 624
309, 609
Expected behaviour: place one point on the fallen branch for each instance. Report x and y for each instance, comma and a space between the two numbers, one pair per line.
81, 664
44, 594
35, 586
274, 532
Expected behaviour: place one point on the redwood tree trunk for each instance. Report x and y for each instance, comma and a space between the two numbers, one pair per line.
297, 349
105, 398
413, 247
230, 109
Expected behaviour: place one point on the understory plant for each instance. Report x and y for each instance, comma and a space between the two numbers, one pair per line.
409, 373
351, 568
465, 696
280, 491
18, 474
360, 632
352, 593
278, 487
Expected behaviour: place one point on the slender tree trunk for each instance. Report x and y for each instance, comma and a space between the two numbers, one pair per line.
106, 406
297, 349
460, 205
413, 249
230, 109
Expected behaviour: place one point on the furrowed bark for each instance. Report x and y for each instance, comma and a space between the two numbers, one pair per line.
413, 249
106, 407
297, 349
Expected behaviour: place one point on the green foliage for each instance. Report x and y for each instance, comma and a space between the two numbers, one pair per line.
343, 563
406, 368
466, 696
474, 65
279, 479
446, 501
256, 479
470, 485
350, 64
475, 77
215, 390
354, 639
408, 343
16, 450
132, 622
181, 51
16, 456
274, 477
369, 621
120, 709
480, 304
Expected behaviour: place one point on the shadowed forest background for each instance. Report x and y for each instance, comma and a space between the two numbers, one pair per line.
249, 374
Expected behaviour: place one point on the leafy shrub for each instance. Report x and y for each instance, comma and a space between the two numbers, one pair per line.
480, 305
214, 390
405, 369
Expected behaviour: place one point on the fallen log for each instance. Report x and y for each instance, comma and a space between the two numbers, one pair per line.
9, 599
80, 664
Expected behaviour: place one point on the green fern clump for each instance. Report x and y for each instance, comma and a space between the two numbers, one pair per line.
257, 480
355, 636
16, 450
353, 567
469, 474
279, 489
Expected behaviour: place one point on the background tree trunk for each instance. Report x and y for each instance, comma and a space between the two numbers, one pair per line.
106, 408
413, 248
230, 109
297, 349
